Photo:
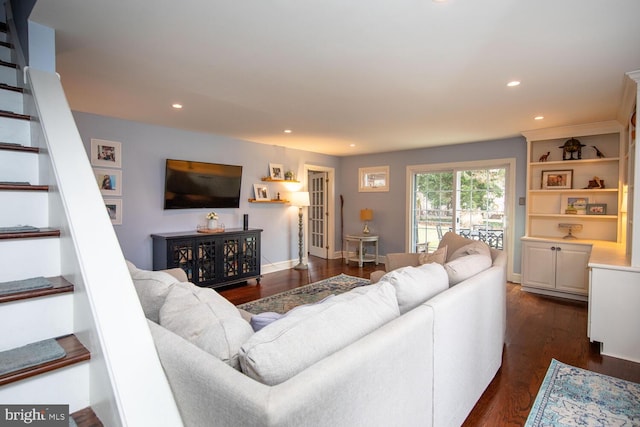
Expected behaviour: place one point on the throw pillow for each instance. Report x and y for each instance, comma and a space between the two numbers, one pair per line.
453, 242
476, 247
462, 268
415, 285
309, 334
206, 319
152, 288
438, 256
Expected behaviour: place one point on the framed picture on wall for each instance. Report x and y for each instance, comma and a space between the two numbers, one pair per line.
107, 154
262, 192
114, 209
276, 171
109, 181
373, 179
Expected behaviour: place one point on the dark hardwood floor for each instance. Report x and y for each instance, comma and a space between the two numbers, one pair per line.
538, 329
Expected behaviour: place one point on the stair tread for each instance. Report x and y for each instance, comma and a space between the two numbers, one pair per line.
19, 186
17, 147
43, 232
8, 64
86, 418
76, 353
10, 87
6, 44
60, 286
12, 115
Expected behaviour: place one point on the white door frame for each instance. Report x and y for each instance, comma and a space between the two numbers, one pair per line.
330, 206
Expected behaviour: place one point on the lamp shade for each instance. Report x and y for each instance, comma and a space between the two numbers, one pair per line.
366, 215
300, 199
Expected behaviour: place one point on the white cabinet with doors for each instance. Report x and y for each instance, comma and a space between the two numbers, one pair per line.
555, 267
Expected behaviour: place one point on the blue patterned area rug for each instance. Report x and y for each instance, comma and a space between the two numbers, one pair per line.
571, 396
308, 294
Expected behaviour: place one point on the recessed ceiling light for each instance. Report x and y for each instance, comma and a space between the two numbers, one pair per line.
538, 118
513, 83
288, 131
177, 106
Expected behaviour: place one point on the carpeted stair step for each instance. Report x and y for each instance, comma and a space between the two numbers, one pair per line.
75, 353
58, 286
10, 146
86, 418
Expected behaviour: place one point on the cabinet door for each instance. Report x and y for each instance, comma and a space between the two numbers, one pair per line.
538, 265
251, 255
571, 269
180, 254
207, 253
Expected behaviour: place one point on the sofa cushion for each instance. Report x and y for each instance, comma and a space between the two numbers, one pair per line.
152, 288
473, 248
453, 242
438, 256
206, 319
415, 285
309, 334
463, 268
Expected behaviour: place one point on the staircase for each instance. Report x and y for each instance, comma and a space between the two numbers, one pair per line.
35, 315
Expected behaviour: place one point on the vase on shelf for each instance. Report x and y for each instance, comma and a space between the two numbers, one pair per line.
212, 224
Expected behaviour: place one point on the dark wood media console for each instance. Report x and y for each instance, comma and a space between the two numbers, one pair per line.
210, 259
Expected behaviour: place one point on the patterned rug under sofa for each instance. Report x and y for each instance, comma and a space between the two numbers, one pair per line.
308, 294
571, 396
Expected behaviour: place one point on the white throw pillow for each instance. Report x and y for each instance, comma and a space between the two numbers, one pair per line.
309, 334
415, 285
206, 319
462, 268
152, 288
438, 256
476, 247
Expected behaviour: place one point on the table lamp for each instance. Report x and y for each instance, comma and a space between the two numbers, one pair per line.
366, 215
301, 200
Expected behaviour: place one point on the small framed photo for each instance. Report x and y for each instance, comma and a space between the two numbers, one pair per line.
276, 171
596, 209
109, 181
262, 192
557, 179
373, 179
114, 209
107, 154
578, 203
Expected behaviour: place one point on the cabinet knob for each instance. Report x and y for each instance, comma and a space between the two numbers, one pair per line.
558, 249
553, 248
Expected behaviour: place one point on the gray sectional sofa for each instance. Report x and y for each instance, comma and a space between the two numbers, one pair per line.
425, 364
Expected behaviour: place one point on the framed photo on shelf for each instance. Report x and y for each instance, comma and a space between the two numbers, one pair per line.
262, 192
107, 154
596, 209
557, 179
276, 171
578, 203
114, 209
109, 181
373, 179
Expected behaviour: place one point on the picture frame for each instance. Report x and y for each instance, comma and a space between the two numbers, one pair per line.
276, 171
557, 179
109, 181
596, 209
579, 203
373, 179
114, 210
106, 154
262, 192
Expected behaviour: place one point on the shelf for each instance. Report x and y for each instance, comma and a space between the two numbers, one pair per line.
545, 215
269, 179
576, 190
268, 201
575, 162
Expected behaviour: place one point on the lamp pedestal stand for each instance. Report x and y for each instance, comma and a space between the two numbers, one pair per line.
301, 265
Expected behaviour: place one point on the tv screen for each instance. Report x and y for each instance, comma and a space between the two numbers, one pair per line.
201, 185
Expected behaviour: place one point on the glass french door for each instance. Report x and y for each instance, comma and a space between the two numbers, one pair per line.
470, 201
318, 215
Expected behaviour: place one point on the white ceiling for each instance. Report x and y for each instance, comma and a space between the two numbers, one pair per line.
381, 74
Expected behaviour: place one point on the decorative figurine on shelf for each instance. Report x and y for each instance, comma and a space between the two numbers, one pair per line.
278, 196
571, 210
544, 157
596, 183
570, 147
599, 153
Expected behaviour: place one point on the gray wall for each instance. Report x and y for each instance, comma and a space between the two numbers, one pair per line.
144, 150
390, 217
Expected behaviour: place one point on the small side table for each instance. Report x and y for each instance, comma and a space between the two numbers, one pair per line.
361, 240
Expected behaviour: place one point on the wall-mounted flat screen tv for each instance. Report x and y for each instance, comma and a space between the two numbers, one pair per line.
201, 185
